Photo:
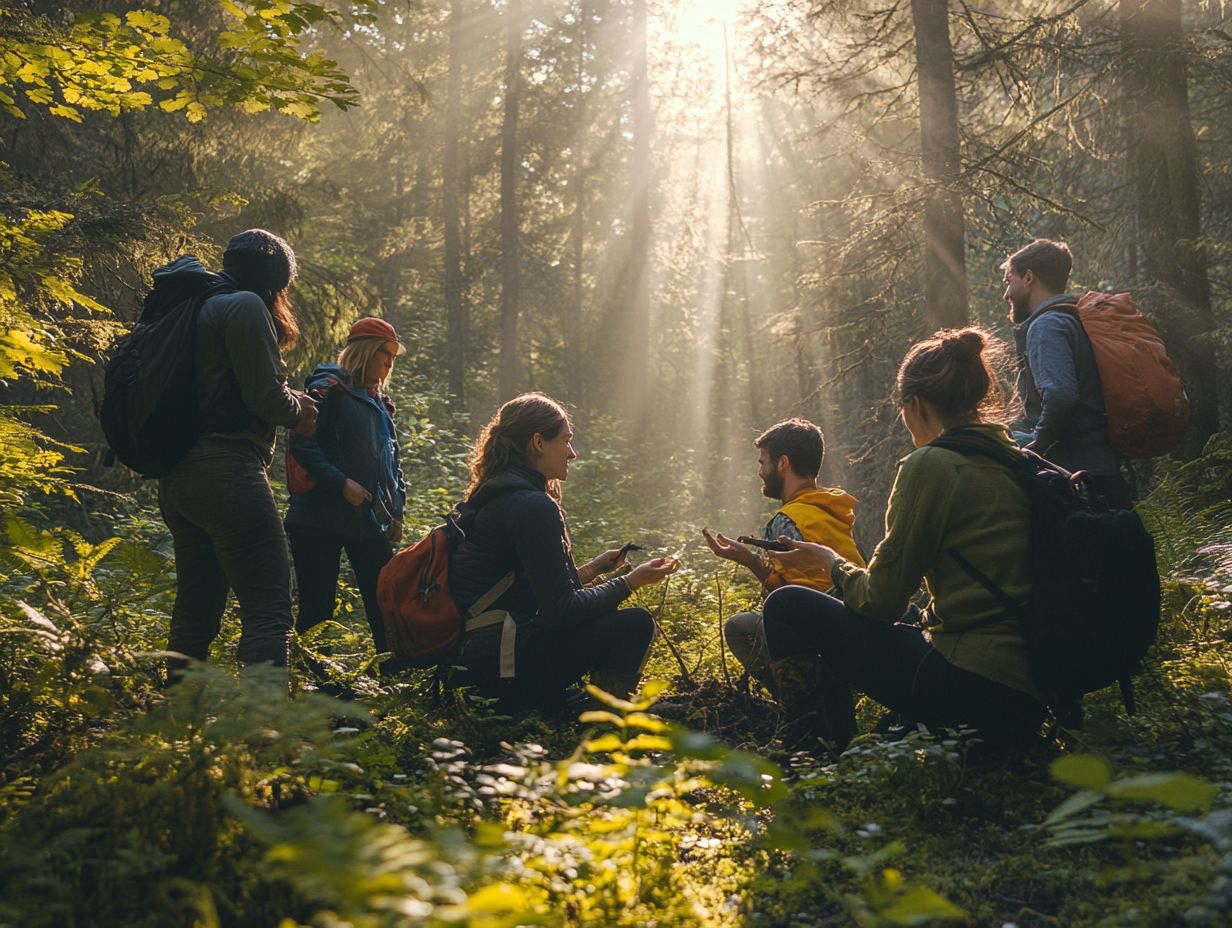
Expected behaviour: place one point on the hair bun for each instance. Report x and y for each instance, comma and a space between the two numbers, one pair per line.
968, 341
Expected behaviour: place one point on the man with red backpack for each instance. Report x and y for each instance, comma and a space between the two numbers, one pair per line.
1064, 413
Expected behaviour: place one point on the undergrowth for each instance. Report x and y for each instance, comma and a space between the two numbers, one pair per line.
221, 801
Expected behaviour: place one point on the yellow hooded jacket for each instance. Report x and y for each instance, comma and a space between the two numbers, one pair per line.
824, 516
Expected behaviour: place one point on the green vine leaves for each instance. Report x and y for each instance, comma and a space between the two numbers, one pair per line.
115, 63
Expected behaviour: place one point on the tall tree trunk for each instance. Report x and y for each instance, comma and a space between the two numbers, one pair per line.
574, 351
1165, 168
735, 261
457, 329
636, 374
510, 354
420, 191
945, 271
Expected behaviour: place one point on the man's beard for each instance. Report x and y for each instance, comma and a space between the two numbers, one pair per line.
1020, 310
772, 486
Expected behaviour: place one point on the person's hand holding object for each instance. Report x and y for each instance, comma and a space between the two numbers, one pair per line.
806, 556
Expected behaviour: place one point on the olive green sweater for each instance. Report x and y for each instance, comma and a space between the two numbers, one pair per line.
941, 500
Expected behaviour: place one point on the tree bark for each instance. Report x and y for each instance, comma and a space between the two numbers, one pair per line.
735, 260
945, 271
636, 374
457, 326
574, 351
1164, 164
510, 354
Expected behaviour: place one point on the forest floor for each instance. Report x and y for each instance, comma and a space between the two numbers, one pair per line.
219, 801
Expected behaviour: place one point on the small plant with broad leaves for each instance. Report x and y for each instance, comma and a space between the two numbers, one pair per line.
1148, 808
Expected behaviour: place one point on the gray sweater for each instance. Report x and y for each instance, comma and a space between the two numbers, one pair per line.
1059, 386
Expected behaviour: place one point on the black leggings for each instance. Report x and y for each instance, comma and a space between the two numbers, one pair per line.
547, 660
895, 665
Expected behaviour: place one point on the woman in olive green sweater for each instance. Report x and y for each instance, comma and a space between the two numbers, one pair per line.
966, 664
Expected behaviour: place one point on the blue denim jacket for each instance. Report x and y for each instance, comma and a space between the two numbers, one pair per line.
1059, 386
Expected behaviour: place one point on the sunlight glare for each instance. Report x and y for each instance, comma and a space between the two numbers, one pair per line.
700, 23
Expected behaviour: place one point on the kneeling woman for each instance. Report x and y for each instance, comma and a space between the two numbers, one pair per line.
966, 664
549, 628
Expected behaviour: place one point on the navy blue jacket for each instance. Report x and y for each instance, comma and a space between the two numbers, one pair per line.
520, 528
354, 438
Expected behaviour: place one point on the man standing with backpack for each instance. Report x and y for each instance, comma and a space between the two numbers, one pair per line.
216, 499
1064, 414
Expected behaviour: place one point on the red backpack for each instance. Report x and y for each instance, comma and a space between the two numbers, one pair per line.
298, 478
1144, 396
422, 621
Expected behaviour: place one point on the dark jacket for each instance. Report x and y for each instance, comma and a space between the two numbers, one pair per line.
242, 387
520, 528
1059, 386
355, 439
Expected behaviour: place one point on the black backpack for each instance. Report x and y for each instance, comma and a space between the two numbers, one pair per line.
149, 412
1094, 605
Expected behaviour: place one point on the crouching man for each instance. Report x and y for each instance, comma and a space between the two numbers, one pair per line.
788, 463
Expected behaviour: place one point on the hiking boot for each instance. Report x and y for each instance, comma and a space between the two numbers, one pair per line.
1069, 712
816, 705
620, 685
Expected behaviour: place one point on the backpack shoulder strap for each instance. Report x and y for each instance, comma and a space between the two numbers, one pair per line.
219, 287
1024, 463
1065, 306
484, 602
965, 441
460, 521
1013, 606
1021, 463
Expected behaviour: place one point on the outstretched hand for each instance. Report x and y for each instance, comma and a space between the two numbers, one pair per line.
651, 571
806, 555
728, 549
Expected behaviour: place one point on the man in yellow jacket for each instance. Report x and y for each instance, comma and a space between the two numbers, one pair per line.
789, 460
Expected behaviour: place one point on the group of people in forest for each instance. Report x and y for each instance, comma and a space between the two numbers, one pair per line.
832, 624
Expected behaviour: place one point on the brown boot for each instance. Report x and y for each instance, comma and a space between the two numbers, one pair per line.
816, 705
620, 685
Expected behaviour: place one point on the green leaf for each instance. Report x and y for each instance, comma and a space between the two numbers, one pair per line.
497, 898
67, 112
1076, 803
301, 109
151, 22
1085, 771
612, 702
648, 743
23, 350
1182, 792
653, 688
920, 906
1142, 830
599, 717
645, 722
603, 744
178, 102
